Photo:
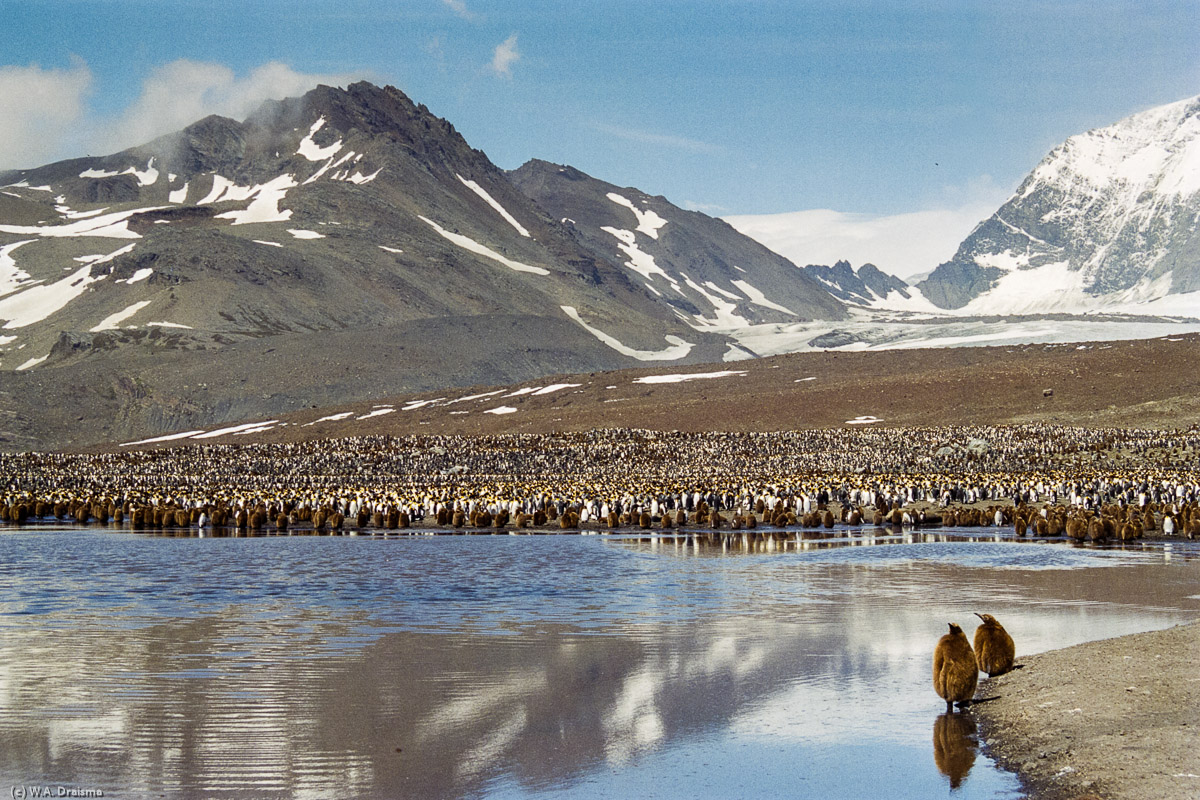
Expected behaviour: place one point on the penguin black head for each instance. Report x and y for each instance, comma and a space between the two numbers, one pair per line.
988, 619
954, 628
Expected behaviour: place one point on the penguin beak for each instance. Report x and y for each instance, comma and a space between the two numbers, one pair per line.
979, 615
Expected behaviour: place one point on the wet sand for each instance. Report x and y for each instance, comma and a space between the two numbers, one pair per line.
1115, 718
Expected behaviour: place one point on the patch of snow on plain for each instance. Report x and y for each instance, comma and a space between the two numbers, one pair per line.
139, 275
554, 387
178, 195
519, 392
470, 244
250, 431
113, 320
758, 298
491, 201
678, 347
33, 362
264, 241
170, 437
802, 380
265, 206
471, 397
37, 303
330, 418
231, 430
648, 221
501, 410
11, 277
168, 325
300, 233
689, 376
92, 172
413, 405
863, 420
391, 249
313, 151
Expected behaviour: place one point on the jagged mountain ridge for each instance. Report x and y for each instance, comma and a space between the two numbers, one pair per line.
1108, 219
713, 276
867, 286
339, 246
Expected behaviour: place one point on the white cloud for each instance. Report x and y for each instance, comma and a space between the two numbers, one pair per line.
39, 107
45, 116
505, 56
902, 244
659, 139
181, 92
460, 8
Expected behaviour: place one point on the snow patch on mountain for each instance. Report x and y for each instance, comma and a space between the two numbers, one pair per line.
265, 205
12, 277
648, 222
758, 298
111, 226
311, 150
114, 320
39, 302
467, 243
678, 347
639, 261
491, 201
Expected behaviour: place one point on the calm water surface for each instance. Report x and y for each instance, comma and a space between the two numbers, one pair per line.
528, 666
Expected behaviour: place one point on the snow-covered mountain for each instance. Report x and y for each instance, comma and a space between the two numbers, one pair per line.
712, 276
335, 247
866, 286
1107, 221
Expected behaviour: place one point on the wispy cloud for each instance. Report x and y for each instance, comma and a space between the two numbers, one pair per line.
181, 92
45, 114
460, 8
505, 56
41, 108
658, 139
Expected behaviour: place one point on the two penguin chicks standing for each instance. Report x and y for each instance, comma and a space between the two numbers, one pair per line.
956, 666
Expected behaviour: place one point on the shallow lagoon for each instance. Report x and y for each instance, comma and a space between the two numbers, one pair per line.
529, 666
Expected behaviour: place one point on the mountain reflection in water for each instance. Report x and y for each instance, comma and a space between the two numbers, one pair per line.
525, 666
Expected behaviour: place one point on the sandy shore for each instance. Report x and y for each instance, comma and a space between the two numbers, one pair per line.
1117, 719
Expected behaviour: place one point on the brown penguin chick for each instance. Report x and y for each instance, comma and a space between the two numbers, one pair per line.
994, 648
955, 673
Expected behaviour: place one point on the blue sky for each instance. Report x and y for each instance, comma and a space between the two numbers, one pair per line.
749, 107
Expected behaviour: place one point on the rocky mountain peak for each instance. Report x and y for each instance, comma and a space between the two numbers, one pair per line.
1108, 219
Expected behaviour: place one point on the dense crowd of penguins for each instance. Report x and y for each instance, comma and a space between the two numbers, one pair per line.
1088, 484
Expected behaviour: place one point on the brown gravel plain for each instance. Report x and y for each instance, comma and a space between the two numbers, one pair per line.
1115, 719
